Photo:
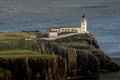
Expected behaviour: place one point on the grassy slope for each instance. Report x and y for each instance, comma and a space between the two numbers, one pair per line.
22, 53
14, 44
63, 33
10, 38
79, 43
12, 35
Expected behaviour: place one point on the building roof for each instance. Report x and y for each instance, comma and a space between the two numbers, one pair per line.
83, 15
65, 27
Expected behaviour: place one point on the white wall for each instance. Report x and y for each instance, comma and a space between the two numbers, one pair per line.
70, 29
53, 34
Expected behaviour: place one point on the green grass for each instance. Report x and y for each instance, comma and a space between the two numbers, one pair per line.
13, 35
42, 35
66, 44
15, 43
11, 41
17, 51
23, 53
63, 33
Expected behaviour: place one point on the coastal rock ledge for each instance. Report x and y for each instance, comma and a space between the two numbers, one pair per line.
76, 57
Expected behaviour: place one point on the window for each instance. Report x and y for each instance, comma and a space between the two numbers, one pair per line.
72, 29
68, 30
58, 30
65, 30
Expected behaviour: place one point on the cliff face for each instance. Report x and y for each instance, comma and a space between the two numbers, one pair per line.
82, 53
34, 68
76, 57
78, 45
5, 74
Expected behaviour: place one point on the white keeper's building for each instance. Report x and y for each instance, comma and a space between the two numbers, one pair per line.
76, 29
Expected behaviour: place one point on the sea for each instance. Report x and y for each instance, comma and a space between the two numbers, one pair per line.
103, 17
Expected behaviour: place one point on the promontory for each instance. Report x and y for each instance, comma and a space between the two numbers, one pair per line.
76, 57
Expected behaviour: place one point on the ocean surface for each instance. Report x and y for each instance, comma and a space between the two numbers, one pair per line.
103, 18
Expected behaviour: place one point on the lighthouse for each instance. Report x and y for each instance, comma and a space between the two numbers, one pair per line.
84, 24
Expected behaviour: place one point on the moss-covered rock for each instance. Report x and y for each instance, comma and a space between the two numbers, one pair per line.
5, 74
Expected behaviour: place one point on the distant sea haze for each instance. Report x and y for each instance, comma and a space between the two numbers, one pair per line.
103, 18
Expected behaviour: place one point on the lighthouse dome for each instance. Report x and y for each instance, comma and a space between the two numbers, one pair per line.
83, 20
84, 24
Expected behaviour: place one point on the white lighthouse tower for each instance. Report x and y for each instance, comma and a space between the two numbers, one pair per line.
84, 24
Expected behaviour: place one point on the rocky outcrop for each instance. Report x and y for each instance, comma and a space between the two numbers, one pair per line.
5, 74
93, 48
82, 60
34, 68
77, 57
105, 62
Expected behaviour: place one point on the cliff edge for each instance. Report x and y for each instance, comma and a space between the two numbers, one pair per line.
70, 58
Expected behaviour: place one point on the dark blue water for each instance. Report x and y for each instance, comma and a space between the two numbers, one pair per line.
103, 18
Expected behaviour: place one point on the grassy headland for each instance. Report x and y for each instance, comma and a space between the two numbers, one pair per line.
13, 44
76, 56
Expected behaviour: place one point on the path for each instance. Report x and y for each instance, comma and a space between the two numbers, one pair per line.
58, 37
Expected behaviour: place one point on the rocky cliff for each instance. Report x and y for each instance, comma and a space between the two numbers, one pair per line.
76, 57
34, 68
